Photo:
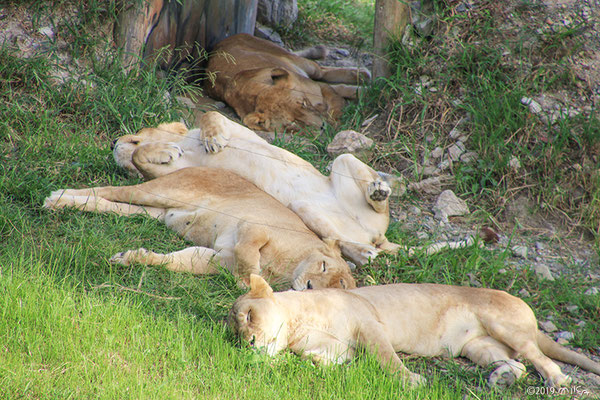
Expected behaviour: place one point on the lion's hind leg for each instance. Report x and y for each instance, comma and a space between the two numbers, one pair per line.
195, 260
486, 351
353, 181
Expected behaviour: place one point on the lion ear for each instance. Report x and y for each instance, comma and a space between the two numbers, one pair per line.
278, 74
259, 287
332, 244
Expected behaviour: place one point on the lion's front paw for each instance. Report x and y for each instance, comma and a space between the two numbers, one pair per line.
502, 377
215, 144
166, 154
130, 256
379, 191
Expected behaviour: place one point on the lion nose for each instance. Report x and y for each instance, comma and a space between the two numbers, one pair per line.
309, 285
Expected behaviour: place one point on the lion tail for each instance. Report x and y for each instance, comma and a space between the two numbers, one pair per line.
313, 53
554, 350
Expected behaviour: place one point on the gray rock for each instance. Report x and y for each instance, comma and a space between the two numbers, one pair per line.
565, 335
277, 12
456, 150
264, 32
548, 326
469, 157
524, 293
572, 308
592, 291
449, 204
543, 271
534, 106
437, 152
519, 251
350, 142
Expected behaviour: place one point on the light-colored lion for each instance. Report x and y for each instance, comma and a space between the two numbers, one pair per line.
351, 205
271, 88
232, 221
489, 327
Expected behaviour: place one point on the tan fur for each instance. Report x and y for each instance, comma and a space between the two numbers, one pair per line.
489, 327
232, 221
271, 88
351, 205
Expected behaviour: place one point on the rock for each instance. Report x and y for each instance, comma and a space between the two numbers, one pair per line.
566, 335
543, 271
534, 106
437, 152
47, 31
350, 142
264, 32
414, 210
449, 204
469, 157
277, 12
562, 341
572, 308
514, 164
592, 291
524, 293
456, 150
519, 251
548, 326
422, 235
540, 246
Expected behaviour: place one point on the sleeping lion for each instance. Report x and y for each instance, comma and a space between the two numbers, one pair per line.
233, 223
489, 327
271, 88
351, 205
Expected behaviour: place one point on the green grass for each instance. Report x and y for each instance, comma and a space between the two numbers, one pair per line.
72, 325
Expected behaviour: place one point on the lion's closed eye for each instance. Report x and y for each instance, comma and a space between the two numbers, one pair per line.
324, 267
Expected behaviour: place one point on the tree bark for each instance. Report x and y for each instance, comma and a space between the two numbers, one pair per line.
391, 18
171, 32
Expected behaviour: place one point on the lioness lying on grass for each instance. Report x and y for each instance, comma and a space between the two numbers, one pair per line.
232, 221
351, 205
489, 327
271, 88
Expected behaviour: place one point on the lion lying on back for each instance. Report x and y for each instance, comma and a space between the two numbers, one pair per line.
271, 88
489, 327
351, 205
233, 223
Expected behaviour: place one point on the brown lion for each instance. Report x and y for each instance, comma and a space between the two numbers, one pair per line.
271, 88
232, 222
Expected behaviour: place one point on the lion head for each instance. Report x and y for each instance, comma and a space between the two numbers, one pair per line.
124, 147
258, 319
323, 269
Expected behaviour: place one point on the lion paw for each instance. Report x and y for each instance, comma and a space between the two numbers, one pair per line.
379, 191
559, 380
129, 257
502, 377
164, 155
215, 144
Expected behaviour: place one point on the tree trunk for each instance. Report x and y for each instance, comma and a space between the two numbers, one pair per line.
391, 18
173, 32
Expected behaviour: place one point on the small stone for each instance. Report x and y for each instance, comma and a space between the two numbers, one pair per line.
444, 165
543, 271
456, 150
422, 235
450, 204
47, 31
540, 246
548, 326
519, 251
502, 271
592, 291
469, 157
565, 335
562, 341
455, 133
514, 164
414, 210
524, 293
572, 308
534, 106
437, 152
349, 142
